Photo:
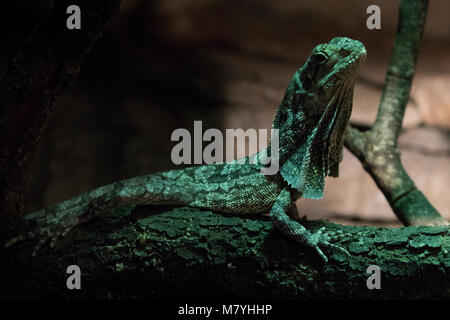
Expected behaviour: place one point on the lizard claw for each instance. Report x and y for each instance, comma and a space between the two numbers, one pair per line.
19, 238
320, 238
39, 245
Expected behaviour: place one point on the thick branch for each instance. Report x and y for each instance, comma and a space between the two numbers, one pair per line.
45, 64
185, 252
386, 169
377, 148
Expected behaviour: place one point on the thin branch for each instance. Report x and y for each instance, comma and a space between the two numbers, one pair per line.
401, 69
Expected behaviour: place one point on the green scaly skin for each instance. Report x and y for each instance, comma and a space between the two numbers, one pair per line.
311, 120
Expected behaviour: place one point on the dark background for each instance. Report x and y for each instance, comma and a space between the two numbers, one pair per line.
164, 64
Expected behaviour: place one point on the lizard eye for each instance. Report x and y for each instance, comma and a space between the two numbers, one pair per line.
320, 58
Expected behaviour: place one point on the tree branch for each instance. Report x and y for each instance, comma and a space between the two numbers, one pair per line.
41, 69
170, 253
377, 147
401, 69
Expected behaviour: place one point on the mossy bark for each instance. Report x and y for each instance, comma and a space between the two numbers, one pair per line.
182, 252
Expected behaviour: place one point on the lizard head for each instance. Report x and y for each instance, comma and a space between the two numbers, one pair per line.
315, 112
330, 67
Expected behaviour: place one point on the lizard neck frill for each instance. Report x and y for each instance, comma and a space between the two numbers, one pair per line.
337, 134
307, 157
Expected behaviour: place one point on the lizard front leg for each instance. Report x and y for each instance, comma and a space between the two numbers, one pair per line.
297, 231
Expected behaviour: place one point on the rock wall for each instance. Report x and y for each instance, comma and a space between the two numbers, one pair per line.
167, 63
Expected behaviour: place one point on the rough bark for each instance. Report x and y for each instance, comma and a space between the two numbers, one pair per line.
377, 148
182, 252
41, 69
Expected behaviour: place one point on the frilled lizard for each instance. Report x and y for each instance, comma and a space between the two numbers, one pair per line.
311, 120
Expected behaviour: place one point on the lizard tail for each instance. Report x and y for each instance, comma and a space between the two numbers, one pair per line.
56, 221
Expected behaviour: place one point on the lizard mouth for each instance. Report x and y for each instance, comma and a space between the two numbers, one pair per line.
352, 63
357, 58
